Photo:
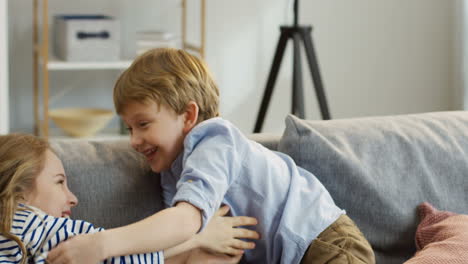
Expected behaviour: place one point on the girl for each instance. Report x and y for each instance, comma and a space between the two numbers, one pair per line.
35, 204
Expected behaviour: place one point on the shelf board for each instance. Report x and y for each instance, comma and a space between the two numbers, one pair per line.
58, 65
97, 137
105, 134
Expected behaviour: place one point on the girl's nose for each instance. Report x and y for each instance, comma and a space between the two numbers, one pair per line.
72, 199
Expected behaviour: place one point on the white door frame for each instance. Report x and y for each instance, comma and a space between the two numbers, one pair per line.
461, 55
4, 96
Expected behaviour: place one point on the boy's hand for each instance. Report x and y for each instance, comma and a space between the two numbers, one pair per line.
199, 256
78, 249
221, 235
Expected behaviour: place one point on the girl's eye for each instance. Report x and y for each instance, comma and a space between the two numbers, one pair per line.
143, 124
60, 181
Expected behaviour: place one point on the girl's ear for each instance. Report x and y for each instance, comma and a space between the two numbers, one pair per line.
191, 116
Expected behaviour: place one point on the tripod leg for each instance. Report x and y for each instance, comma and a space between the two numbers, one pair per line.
314, 69
297, 107
271, 81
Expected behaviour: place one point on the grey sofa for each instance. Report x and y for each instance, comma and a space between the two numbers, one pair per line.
378, 169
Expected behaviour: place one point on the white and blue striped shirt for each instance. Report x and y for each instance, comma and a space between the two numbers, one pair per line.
40, 233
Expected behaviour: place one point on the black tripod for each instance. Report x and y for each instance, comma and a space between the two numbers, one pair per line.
297, 34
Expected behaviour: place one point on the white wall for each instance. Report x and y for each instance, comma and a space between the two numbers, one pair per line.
4, 97
376, 57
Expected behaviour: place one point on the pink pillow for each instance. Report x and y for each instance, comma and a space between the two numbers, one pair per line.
441, 237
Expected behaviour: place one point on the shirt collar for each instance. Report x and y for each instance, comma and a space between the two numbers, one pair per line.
176, 167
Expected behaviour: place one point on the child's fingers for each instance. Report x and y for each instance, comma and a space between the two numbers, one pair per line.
222, 211
226, 259
56, 255
245, 233
234, 259
233, 251
239, 244
243, 221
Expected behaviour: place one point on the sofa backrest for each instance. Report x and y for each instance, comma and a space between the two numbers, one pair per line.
379, 169
113, 183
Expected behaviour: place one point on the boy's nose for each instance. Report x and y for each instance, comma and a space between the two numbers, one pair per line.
135, 141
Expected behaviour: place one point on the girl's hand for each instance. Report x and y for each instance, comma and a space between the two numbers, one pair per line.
78, 249
199, 256
221, 235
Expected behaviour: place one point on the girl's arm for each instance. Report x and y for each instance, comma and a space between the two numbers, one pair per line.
45, 232
221, 235
199, 256
164, 229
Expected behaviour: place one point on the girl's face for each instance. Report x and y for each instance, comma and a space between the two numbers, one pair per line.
51, 193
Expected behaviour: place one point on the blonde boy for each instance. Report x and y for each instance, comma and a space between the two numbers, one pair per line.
169, 102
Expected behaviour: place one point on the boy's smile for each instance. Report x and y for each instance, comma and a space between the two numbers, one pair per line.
156, 131
150, 153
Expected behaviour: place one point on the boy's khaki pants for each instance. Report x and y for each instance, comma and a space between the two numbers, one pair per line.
342, 242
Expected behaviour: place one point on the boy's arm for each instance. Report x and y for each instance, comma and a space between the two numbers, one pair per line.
164, 229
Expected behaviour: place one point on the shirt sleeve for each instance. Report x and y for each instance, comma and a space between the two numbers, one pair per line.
55, 230
210, 165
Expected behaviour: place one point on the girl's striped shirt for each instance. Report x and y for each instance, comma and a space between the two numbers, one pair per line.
40, 233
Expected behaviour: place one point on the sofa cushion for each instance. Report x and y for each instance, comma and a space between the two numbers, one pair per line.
441, 237
113, 184
379, 169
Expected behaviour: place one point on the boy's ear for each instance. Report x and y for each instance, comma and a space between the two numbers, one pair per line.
191, 116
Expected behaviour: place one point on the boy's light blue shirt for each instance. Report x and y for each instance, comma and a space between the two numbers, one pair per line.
219, 165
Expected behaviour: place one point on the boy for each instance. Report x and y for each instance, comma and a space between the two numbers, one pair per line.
170, 104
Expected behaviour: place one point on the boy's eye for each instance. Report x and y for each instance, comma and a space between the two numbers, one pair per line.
60, 181
143, 124
129, 129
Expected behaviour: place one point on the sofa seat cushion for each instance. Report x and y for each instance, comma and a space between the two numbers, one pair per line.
380, 169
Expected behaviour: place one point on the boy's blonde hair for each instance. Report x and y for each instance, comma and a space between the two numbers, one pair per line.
22, 158
171, 77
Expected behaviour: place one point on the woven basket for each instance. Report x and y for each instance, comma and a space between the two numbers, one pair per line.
81, 122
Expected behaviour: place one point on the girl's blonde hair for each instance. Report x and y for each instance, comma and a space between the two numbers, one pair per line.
171, 77
22, 158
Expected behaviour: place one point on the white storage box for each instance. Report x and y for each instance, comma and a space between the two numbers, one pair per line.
146, 40
86, 38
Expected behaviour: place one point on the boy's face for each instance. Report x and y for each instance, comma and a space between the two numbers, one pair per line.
156, 131
51, 193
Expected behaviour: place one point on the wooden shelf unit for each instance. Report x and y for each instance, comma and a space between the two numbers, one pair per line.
43, 63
